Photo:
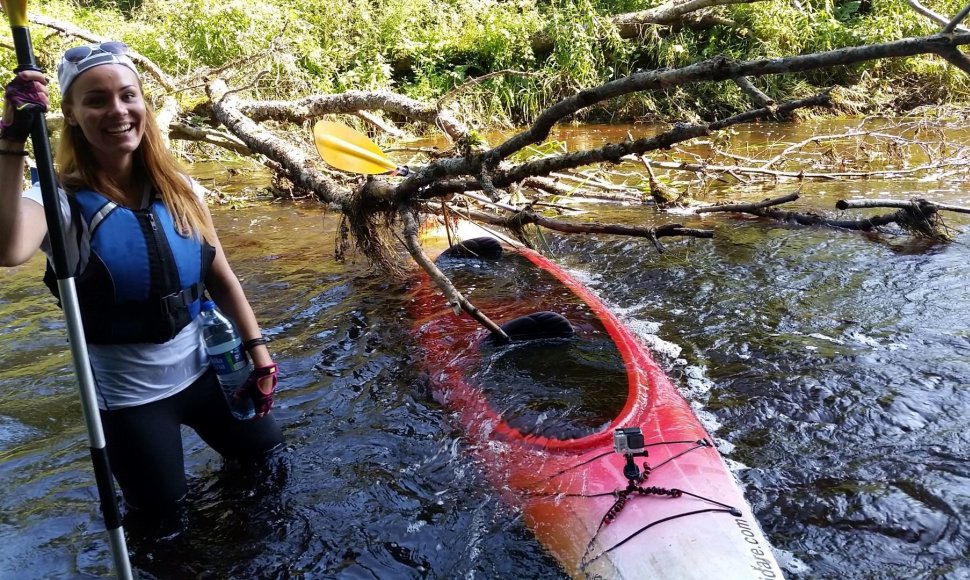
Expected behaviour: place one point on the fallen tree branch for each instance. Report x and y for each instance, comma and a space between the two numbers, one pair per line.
430, 180
210, 136
670, 13
917, 216
522, 218
456, 299
759, 98
299, 166
954, 24
353, 102
710, 167
747, 207
891, 203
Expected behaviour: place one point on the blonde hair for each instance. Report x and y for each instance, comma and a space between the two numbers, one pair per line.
78, 169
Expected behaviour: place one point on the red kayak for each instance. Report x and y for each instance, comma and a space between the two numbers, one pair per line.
612, 470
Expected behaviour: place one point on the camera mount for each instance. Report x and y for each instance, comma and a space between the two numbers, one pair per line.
628, 441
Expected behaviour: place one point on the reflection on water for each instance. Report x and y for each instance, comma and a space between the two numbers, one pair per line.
837, 365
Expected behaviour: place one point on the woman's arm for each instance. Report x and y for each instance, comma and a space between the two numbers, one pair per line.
227, 292
22, 222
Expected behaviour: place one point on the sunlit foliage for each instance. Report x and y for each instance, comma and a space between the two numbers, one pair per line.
427, 48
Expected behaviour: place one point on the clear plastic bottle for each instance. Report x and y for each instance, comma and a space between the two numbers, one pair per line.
228, 358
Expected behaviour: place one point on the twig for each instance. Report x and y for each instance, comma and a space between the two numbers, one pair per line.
920, 210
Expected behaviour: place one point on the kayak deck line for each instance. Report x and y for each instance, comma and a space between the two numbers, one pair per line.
633, 490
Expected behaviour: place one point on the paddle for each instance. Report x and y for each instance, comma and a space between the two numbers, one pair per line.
349, 150
17, 15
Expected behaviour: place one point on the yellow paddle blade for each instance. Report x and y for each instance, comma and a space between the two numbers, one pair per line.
16, 11
349, 150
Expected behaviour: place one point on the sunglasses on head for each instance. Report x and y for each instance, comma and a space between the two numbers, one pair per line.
79, 53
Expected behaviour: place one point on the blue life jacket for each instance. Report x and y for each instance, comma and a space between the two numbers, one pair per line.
143, 281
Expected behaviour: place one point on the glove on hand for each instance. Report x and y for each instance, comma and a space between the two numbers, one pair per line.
265, 377
27, 101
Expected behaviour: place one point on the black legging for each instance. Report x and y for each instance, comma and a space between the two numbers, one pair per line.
144, 442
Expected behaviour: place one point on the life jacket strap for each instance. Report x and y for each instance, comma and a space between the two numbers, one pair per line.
179, 301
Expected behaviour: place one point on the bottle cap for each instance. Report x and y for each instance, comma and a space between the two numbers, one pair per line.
208, 305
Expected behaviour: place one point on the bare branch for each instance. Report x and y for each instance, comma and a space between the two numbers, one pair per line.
210, 136
516, 221
957, 59
892, 203
353, 102
748, 207
759, 98
456, 300
954, 24
430, 182
935, 17
629, 25
297, 163
710, 167
380, 123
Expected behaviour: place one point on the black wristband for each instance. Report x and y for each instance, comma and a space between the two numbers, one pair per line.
14, 153
254, 342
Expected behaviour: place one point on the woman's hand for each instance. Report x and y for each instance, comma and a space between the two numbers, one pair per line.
260, 386
24, 98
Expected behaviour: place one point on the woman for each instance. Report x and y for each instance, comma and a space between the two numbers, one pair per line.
143, 246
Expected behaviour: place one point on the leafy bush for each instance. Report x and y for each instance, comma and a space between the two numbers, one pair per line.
428, 48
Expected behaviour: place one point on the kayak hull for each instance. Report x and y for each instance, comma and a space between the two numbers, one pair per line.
685, 518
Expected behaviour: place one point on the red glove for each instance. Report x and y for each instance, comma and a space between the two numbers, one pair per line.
26, 99
260, 386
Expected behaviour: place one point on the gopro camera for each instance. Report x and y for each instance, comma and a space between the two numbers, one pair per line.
628, 440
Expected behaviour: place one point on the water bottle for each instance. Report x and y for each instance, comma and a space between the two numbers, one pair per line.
228, 358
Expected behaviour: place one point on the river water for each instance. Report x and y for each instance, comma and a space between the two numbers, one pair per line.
830, 366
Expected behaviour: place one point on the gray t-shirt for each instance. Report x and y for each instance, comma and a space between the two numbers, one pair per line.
132, 374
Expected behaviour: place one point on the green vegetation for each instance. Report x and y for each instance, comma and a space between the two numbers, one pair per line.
426, 48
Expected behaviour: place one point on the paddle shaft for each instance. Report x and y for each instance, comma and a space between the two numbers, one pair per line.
72, 315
